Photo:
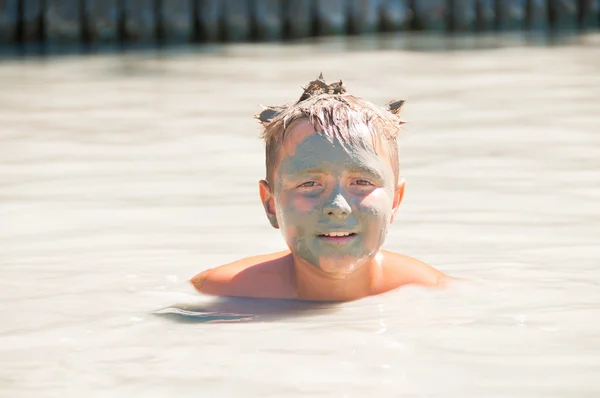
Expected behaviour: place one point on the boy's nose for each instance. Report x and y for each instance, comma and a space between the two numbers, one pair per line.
338, 208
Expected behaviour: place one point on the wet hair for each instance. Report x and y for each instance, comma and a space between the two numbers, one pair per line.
336, 115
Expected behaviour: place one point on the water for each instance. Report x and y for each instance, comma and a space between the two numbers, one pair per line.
124, 175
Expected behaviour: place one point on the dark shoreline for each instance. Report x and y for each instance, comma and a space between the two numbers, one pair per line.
127, 23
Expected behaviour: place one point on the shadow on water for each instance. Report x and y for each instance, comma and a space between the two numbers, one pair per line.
244, 310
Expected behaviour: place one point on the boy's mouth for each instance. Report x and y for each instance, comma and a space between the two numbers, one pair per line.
337, 236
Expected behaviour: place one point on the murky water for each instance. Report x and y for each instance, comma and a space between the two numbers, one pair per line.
121, 176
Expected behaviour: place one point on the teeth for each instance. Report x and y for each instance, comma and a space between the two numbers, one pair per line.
337, 234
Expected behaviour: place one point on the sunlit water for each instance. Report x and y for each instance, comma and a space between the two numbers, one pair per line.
121, 176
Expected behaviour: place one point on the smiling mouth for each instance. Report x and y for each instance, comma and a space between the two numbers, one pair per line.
336, 234
338, 237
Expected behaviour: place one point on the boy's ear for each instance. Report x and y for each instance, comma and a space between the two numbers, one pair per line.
268, 201
398, 195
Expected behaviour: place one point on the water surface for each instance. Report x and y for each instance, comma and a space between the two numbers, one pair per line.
123, 175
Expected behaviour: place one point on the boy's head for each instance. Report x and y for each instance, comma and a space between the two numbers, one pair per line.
332, 181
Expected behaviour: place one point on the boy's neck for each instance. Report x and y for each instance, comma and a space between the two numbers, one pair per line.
312, 283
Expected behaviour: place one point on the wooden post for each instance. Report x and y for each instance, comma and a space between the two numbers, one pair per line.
9, 15
331, 17
31, 20
208, 18
463, 16
486, 15
430, 14
101, 20
175, 20
395, 15
589, 14
236, 20
268, 19
140, 20
364, 15
564, 14
63, 21
511, 14
298, 17
537, 14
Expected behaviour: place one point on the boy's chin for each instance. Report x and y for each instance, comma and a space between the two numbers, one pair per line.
339, 267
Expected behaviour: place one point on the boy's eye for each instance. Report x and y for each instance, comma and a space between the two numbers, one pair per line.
308, 184
362, 182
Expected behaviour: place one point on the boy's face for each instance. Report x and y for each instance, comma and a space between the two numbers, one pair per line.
333, 205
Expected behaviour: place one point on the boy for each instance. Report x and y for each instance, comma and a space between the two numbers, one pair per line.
332, 186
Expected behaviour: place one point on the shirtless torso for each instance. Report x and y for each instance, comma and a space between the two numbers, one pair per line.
278, 276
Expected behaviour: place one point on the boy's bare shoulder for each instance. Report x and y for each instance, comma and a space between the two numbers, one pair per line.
263, 276
399, 269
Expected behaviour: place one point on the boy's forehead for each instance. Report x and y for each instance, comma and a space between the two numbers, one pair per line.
301, 129
296, 133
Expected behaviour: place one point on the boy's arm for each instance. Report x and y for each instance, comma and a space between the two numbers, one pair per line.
264, 276
407, 270
224, 281
425, 275
199, 280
